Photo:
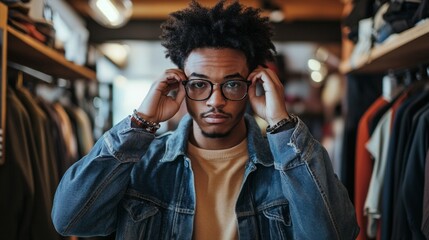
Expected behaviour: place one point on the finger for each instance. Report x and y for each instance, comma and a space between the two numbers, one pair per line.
172, 80
273, 76
272, 87
255, 77
172, 76
261, 76
180, 95
176, 76
255, 72
252, 90
270, 81
259, 73
181, 74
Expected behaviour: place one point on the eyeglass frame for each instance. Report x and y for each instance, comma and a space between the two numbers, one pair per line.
248, 83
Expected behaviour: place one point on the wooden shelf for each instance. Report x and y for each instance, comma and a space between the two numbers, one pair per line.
29, 52
407, 49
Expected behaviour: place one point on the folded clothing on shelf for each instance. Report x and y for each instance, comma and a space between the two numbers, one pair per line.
400, 15
41, 30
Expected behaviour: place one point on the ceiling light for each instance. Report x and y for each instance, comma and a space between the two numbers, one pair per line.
314, 65
316, 76
277, 16
276, 13
111, 13
116, 52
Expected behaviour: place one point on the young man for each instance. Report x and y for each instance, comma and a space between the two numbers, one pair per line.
216, 176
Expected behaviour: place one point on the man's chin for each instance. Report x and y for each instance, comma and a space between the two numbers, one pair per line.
215, 134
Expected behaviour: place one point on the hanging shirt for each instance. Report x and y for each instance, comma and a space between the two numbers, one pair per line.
412, 190
400, 227
363, 164
378, 147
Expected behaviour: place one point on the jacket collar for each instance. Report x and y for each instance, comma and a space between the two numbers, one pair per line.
259, 150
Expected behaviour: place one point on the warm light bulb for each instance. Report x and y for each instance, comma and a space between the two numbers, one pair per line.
316, 76
314, 65
108, 10
111, 13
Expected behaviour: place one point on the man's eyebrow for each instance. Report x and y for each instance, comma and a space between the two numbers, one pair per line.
235, 75
198, 75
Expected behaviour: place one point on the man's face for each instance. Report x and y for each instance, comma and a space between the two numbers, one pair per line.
216, 117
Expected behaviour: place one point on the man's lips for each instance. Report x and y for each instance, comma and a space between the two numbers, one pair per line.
215, 118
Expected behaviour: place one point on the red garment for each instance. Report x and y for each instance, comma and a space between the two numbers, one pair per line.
425, 219
34, 32
363, 165
364, 162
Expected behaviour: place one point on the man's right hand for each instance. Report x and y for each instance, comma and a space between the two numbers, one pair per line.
158, 105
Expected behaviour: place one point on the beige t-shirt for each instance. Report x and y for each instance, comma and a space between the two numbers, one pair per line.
218, 178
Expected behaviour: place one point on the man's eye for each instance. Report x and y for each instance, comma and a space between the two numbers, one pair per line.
233, 84
198, 84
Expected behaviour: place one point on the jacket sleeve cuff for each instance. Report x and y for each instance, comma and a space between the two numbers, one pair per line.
127, 143
292, 146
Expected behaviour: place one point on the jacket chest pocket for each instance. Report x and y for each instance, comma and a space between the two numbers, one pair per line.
275, 222
139, 220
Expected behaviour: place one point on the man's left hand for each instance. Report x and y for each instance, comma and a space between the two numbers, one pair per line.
270, 105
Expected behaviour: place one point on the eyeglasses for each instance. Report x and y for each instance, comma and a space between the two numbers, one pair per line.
201, 89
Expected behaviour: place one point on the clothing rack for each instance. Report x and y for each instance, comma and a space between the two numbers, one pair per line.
23, 53
404, 59
47, 134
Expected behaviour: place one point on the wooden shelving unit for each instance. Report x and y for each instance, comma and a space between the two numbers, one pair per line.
3, 66
406, 49
26, 51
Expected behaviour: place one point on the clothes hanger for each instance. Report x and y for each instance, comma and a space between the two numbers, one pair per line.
392, 86
19, 80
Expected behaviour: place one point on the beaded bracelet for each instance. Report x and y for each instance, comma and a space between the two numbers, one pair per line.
148, 126
291, 120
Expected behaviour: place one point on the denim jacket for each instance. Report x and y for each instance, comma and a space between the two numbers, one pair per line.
142, 187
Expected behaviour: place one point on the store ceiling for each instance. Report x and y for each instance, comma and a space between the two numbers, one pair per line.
293, 9
304, 19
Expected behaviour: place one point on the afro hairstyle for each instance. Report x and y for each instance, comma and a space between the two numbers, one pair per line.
222, 26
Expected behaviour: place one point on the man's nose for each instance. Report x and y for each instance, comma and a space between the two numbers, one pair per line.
216, 99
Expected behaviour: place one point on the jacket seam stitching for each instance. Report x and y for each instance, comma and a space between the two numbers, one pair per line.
92, 199
323, 195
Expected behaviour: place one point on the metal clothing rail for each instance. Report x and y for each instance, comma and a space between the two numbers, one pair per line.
32, 72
